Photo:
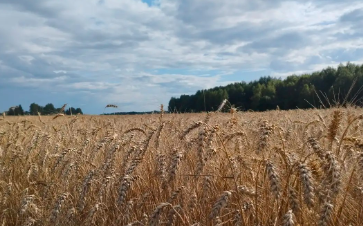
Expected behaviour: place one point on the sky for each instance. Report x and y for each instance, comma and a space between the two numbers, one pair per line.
138, 54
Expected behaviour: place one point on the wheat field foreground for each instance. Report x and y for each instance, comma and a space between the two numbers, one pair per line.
302, 167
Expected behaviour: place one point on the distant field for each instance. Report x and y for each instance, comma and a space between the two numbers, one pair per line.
302, 167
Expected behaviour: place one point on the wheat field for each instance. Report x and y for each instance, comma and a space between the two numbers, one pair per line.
301, 167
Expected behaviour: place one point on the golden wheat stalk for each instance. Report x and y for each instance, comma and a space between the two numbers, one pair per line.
222, 105
219, 204
58, 115
62, 108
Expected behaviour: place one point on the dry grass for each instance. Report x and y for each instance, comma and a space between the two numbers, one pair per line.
272, 168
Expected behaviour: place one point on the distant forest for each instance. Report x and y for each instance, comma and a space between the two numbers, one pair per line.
331, 86
48, 109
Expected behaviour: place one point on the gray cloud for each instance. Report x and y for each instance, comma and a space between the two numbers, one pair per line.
279, 44
308, 64
44, 8
353, 16
210, 13
241, 32
344, 55
353, 21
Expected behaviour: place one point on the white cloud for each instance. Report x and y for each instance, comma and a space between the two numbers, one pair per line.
115, 50
60, 72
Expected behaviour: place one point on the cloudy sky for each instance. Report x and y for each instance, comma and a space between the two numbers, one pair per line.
137, 54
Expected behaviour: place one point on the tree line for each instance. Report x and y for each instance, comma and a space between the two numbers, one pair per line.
330, 86
48, 109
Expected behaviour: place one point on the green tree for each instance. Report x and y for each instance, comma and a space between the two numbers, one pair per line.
16, 110
172, 104
79, 111
11, 111
34, 109
289, 93
71, 111
19, 110
306, 96
257, 93
49, 109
